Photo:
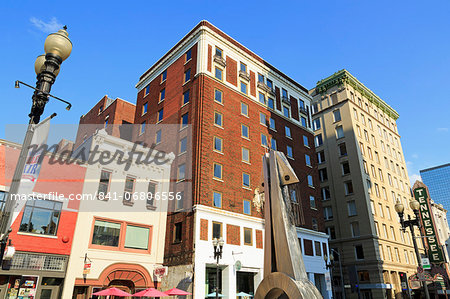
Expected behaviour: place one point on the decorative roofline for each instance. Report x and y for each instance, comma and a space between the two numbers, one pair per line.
343, 76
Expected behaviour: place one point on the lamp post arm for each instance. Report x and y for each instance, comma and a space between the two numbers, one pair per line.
69, 105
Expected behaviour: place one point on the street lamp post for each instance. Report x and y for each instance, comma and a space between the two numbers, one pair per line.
57, 47
329, 266
415, 205
218, 246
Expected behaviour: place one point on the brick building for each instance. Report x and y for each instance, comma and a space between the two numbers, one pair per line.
230, 107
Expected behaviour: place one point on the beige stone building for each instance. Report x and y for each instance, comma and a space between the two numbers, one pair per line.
363, 174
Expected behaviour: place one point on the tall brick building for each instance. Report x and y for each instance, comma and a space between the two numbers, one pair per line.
231, 107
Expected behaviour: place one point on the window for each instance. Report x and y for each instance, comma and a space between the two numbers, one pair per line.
219, 52
308, 160
316, 124
142, 128
106, 233
217, 169
41, 217
380, 174
318, 248
187, 75
218, 73
293, 195
162, 95
305, 141
289, 151
218, 96
178, 232
246, 154
247, 207
385, 231
271, 103
144, 108
217, 199
273, 144
380, 208
342, 149
147, 90
284, 93
287, 130
244, 131
188, 55
345, 168
262, 98
339, 132
262, 119
355, 114
185, 97
354, 227
181, 172
217, 230
248, 236
318, 140
310, 181
302, 104
323, 175
377, 190
312, 202
272, 124
179, 201
106, 121
164, 76
103, 186
331, 231
304, 123
218, 142
326, 195
351, 207
359, 252
327, 213
264, 141
244, 109
377, 228
245, 180
393, 233
218, 119
151, 191
243, 67
337, 115
243, 87
136, 237
184, 120
260, 78
158, 137
129, 189
348, 188
269, 83
160, 114
286, 111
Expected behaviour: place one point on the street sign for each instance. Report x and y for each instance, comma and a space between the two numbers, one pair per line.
426, 263
238, 265
87, 268
434, 250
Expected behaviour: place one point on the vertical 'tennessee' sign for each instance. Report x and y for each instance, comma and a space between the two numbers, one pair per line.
434, 250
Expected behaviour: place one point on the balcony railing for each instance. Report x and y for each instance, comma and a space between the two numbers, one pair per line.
303, 110
244, 75
38, 262
285, 100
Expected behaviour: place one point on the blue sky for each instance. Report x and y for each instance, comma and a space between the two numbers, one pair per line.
399, 49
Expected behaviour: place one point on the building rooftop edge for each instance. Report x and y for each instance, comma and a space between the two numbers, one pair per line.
235, 42
435, 167
344, 76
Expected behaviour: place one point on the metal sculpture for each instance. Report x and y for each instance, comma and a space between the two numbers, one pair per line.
284, 270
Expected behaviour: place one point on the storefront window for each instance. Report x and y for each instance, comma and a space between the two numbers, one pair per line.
245, 282
212, 280
106, 233
23, 287
41, 217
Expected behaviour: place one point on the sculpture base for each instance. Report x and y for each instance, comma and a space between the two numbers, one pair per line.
278, 285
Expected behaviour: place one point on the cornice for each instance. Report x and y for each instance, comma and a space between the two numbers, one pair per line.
344, 77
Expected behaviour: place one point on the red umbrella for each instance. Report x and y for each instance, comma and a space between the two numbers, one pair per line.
112, 292
151, 292
175, 292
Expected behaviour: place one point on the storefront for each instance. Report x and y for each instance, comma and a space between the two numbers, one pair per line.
33, 275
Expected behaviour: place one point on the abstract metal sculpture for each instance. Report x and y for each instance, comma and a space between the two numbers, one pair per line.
284, 270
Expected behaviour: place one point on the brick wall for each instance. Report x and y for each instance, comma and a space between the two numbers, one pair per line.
233, 235
204, 229
259, 239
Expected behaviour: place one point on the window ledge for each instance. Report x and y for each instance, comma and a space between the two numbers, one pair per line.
217, 102
36, 235
186, 82
292, 158
217, 179
184, 104
162, 81
151, 207
218, 126
187, 61
216, 151
246, 188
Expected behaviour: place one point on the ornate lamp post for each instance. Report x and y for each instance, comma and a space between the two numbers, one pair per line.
330, 265
218, 246
415, 205
57, 48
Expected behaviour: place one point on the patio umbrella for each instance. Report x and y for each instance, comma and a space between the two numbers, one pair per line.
175, 292
151, 292
112, 292
213, 294
242, 294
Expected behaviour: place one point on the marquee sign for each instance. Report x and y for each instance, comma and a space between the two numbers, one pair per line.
426, 215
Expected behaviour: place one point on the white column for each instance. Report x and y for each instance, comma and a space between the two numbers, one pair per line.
229, 282
199, 280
